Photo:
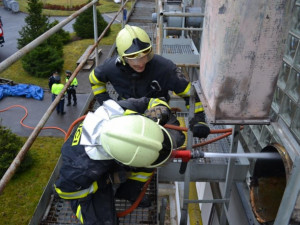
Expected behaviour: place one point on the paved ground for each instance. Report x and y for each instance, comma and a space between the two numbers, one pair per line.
36, 109
13, 23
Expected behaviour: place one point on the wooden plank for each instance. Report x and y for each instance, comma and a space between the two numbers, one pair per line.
91, 58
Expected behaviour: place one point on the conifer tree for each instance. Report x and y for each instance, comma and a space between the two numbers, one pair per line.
84, 25
36, 23
48, 56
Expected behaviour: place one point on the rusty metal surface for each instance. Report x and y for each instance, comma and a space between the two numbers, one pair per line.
268, 184
241, 55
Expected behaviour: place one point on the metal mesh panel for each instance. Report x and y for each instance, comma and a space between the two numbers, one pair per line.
177, 49
60, 212
222, 145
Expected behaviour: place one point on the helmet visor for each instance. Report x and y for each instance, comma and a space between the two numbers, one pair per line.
139, 54
165, 152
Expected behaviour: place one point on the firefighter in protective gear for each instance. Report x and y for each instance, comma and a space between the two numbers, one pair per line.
101, 152
137, 72
71, 91
55, 90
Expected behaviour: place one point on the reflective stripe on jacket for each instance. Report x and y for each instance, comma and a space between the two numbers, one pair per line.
159, 77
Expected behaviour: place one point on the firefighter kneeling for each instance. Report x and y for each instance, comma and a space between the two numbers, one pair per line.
117, 139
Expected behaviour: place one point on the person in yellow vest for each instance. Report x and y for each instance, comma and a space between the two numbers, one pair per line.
72, 89
55, 90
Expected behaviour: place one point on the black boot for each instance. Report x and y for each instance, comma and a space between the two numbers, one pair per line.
75, 103
69, 103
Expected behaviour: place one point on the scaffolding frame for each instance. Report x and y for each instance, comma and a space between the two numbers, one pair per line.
291, 191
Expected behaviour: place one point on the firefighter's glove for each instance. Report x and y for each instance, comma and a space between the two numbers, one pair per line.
199, 129
160, 112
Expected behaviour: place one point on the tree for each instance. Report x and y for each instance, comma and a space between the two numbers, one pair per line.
48, 56
10, 144
84, 26
61, 36
43, 60
36, 23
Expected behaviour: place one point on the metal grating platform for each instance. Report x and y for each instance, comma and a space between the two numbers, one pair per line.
60, 212
177, 49
222, 145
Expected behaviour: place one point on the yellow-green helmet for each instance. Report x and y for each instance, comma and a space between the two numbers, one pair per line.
136, 141
133, 42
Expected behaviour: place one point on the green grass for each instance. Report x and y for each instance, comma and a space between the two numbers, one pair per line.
23, 192
105, 6
72, 53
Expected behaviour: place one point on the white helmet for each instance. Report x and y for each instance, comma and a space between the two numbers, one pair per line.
136, 141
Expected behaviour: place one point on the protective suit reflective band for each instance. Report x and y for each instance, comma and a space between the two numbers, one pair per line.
140, 176
77, 194
198, 107
186, 92
156, 101
98, 87
79, 214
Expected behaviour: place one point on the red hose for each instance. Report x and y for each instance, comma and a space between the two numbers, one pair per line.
138, 200
26, 114
226, 132
217, 131
72, 126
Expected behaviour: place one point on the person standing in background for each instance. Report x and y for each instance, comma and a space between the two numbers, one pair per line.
55, 90
72, 89
52, 79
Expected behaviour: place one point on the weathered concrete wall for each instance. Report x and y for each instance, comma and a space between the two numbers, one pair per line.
241, 55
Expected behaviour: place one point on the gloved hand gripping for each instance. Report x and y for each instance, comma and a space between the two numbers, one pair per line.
199, 129
160, 112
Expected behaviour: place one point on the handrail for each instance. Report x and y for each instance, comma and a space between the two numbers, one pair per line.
161, 28
20, 156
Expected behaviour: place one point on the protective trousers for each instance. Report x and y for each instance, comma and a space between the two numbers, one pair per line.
72, 94
97, 208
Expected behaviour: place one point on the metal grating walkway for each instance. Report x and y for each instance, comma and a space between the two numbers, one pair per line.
60, 212
177, 49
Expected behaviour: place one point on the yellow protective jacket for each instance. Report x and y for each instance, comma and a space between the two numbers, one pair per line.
74, 82
56, 88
